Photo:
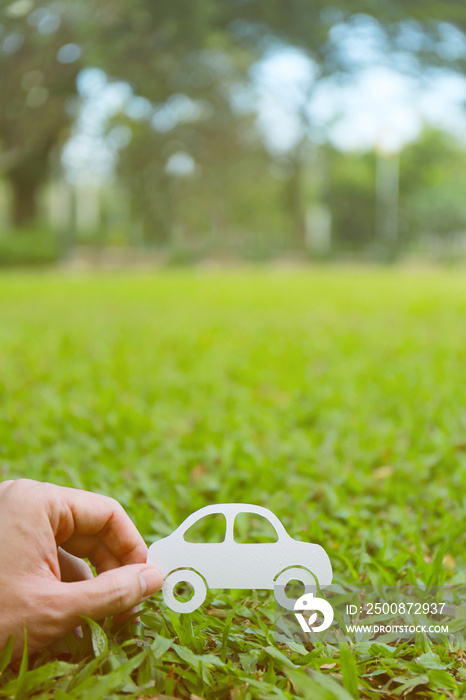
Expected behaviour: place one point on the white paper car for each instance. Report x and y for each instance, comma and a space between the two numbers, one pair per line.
230, 564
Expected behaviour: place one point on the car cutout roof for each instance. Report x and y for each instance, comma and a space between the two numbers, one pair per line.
230, 511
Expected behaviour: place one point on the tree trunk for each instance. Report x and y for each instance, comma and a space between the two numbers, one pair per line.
294, 204
24, 205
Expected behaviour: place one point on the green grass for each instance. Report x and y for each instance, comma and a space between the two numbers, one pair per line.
337, 398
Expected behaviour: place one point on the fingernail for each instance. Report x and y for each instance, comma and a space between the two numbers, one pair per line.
151, 581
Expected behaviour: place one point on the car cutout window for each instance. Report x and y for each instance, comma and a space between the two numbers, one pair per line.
253, 528
209, 529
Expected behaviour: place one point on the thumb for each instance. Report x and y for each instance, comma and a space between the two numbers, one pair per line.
111, 592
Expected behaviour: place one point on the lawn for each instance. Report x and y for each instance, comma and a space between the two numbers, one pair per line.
335, 397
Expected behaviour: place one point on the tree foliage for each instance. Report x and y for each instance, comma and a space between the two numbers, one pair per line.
192, 64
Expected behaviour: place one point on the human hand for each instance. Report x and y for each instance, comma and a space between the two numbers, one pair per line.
45, 586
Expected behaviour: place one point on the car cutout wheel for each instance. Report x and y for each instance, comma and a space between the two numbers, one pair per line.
184, 576
293, 574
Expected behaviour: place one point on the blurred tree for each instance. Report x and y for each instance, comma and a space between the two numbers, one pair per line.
173, 54
432, 187
204, 53
39, 61
350, 194
200, 142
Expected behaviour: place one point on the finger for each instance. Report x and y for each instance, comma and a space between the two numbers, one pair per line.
91, 547
5, 484
72, 568
75, 511
110, 593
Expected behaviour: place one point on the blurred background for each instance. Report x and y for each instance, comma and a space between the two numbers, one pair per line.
135, 132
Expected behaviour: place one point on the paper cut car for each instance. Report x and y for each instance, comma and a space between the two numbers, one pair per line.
230, 564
